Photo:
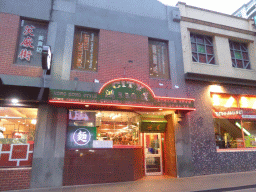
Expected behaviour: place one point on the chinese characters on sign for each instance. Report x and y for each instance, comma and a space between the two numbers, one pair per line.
31, 40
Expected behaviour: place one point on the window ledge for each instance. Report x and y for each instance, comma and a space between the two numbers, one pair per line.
241, 69
206, 64
236, 150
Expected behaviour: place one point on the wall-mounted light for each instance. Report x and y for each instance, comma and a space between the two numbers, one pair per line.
176, 86
216, 88
161, 84
96, 81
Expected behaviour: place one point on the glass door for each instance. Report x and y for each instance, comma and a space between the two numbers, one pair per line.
153, 154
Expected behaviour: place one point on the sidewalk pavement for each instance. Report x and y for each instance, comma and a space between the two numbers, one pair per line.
238, 182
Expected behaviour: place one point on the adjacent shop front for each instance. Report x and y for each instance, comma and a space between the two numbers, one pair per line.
120, 133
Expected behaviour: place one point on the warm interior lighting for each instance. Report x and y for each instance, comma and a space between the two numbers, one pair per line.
244, 102
15, 101
216, 89
244, 130
254, 105
216, 100
230, 101
33, 121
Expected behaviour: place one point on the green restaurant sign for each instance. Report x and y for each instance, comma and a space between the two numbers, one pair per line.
123, 91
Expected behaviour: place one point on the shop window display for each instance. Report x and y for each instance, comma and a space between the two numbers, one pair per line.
234, 120
17, 135
119, 128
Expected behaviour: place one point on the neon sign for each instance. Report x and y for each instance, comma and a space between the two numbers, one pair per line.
122, 92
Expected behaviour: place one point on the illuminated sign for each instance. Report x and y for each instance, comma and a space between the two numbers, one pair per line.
122, 92
79, 137
233, 113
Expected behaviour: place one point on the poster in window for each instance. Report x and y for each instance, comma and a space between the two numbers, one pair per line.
32, 37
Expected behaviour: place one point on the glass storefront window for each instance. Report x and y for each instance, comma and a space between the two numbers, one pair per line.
120, 128
228, 133
17, 135
234, 120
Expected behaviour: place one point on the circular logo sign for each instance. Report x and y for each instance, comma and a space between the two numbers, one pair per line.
81, 136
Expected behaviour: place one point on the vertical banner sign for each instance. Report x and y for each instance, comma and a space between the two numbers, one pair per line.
85, 50
32, 38
80, 137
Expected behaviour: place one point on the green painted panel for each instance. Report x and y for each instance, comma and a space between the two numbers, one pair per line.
153, 127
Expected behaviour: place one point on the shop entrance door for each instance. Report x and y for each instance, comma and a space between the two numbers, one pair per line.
153, 154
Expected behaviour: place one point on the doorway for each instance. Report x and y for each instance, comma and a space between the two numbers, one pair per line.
153, 154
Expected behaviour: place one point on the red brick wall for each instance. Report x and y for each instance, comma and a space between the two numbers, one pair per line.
14, 179
9, 35
115, 50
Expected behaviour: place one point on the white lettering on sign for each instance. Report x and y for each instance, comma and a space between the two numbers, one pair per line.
81, 136
225, 113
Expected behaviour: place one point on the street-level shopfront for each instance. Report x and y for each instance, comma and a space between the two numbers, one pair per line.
121, 133
234, 120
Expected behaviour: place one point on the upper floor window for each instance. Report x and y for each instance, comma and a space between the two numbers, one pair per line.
239, 55
32, 37
85, 55
158, 59
202, 49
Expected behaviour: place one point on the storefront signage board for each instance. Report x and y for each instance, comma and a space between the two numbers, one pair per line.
80, 137
122, 92
233, 113
153, 127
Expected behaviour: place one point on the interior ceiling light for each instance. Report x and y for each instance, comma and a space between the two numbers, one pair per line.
254, 105
216, 100
244, 102
244, 130
33, 121
15, 101
230, 102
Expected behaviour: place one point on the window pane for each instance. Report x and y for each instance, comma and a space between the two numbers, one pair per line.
227, 133
200, 39
17, 132
121, 128
194, 57
211, 59
158, 58
85, 50
233, 62
239, 64
202, 58
193, 47
236, 46
209, 49
200, 49
238, 55
245, 56
249, 128
232, 54
192, 38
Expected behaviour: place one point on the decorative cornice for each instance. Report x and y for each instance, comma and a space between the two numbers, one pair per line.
219, 26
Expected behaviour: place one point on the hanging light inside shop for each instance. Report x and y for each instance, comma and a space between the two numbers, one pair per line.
15, 101
230, 102
244, 130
